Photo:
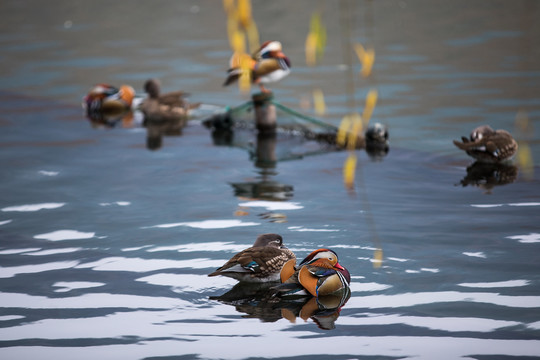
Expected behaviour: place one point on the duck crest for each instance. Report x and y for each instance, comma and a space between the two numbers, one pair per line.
319, 254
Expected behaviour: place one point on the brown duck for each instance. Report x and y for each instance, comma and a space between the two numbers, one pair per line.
488, 145
260, 263
167, 107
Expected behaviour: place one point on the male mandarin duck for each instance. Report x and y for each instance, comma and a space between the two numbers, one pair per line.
109, 99
320, 274
260, 263
159, 107
488, 145
268, 64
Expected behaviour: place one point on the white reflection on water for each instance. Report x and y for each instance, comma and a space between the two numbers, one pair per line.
17, 251
189, 282
66, 286
53, 251
291, 344
499, 284
422, 298
144, 265
136, 248
510, 204
208, 224
33, 207
92, 301
5, 222
7, 272
217, 332
65, 235
397, 259
356, 286
452, 324
526, 239
48, 173
303, 229
475, 254
119, 203
273, 205
208, 246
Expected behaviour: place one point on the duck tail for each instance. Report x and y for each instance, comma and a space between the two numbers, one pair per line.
239, 60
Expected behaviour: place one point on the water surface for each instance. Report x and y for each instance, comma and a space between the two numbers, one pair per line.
105, 245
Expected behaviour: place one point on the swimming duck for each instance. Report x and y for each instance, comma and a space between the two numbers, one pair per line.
260, 263
319, 274
377, 141
268, 64
167, 107
105, 98
488, 145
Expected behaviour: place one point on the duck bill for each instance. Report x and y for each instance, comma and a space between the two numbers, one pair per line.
339, 267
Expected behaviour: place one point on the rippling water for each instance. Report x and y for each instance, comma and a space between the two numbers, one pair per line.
105, 245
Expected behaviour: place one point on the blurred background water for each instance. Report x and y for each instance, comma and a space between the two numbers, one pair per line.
105, 245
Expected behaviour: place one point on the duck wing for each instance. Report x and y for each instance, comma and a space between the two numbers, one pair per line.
256, 260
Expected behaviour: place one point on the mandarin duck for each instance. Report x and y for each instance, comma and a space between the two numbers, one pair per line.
488, 145
268, 64
319, 275
260, 263
108, 99
167, 107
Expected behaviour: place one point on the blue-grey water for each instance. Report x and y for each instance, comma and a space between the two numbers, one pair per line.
105, 245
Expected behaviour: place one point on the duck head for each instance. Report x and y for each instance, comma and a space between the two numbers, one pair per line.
272, 240
152, 88
481, 132
273, 49
326, 258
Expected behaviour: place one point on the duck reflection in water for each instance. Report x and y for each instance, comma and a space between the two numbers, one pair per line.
164, 114
263, 155
260, 301
488, 175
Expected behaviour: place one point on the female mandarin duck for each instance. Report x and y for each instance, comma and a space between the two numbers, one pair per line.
488, 145
159, 107
260, 263
320, 274
108, 99
268, 64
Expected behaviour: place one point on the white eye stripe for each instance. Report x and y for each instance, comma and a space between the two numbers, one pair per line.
324, 255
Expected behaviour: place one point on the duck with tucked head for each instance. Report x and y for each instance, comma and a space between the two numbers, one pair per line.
319, 274
260, 263
268, 64
108, 99
488, 145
